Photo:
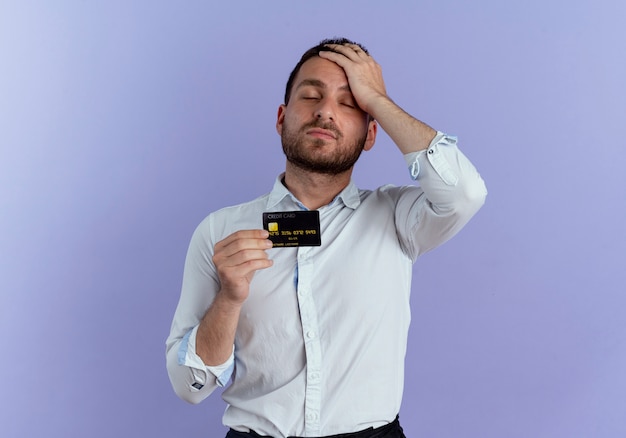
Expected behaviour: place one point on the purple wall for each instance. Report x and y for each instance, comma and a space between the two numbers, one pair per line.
122, 126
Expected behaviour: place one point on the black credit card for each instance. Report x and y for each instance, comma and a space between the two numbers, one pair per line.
293, 228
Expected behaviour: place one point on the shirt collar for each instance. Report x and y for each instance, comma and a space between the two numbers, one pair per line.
349, 196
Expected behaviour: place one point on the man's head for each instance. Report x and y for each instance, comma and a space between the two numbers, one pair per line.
313, 52
322, 128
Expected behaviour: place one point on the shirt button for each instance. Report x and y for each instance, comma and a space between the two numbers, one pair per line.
314, 376
311, 416
310, 334
431, 151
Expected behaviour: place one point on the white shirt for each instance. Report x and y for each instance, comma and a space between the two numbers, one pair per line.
321, 339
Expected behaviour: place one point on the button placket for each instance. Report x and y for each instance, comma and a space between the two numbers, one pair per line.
312, 347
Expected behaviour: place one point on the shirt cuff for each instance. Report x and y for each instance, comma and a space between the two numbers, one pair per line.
435, 158
188, 357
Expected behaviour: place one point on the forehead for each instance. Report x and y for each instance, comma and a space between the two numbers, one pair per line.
322, 70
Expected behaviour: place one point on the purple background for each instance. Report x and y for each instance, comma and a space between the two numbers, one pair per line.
122, 124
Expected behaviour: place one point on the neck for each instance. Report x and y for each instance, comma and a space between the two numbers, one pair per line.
314, 190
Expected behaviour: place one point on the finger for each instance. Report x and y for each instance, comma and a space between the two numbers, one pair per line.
242, 235
221, 259
357, 49
241, 265
338, 50
243, 246
340, 59
237, 279
351, 51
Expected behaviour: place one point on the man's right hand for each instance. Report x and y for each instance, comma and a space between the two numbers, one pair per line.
237, 258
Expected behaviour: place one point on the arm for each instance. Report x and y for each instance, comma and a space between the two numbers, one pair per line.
215, 285
451, 190
236, 260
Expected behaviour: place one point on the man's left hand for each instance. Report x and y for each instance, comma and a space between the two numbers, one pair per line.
364, 74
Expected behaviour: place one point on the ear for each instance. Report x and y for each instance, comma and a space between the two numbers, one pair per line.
280, 118
372, 129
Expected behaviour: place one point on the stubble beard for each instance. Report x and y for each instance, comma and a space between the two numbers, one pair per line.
301, 155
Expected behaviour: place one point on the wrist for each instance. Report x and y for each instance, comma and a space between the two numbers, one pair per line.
231, 298
377, 105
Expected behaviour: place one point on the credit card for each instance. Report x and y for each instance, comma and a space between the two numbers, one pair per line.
293, 228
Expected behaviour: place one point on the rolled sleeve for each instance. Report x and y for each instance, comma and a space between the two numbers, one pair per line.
435, 158
453, 191
188, 357
192, 380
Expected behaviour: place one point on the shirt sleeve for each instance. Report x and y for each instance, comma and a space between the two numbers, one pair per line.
450, 192
188, 357
191, 379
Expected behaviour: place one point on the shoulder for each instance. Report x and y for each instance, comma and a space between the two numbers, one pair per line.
227, 220
234, 211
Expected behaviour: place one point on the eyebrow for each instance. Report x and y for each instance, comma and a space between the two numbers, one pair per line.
319, 84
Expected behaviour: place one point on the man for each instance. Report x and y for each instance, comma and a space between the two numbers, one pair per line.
312, 338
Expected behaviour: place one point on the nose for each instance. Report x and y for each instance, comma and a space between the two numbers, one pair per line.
325, 110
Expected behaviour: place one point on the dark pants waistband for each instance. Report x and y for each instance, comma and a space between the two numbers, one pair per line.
391, 430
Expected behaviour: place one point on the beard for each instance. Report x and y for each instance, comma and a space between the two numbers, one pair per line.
339, 161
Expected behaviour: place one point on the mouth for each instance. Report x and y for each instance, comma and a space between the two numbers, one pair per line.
324, 134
